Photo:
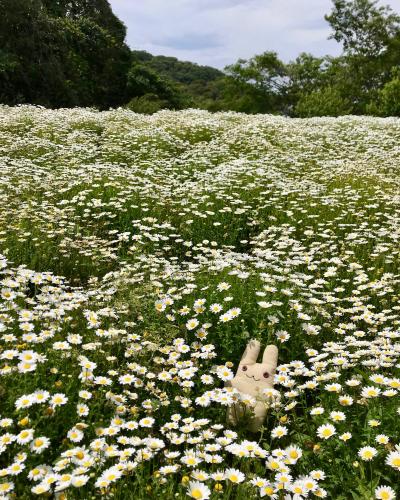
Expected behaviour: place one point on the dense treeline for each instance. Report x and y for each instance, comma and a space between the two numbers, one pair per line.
63, 53
364, 79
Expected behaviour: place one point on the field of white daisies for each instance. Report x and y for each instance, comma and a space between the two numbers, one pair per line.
140, 254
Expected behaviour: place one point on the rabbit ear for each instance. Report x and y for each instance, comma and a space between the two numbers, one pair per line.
251, 352
270, 355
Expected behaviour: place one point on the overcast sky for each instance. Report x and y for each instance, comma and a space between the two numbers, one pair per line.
218, 32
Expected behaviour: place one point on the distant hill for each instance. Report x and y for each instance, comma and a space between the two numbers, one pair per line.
200, 84
181, 71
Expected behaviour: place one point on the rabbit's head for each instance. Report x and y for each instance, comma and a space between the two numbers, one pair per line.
256, 376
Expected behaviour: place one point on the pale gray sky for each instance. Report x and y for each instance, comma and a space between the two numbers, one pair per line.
218, 32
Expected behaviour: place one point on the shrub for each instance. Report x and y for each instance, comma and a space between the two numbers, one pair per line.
323, 102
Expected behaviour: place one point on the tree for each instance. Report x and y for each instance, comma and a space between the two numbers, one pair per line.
327, 101
363, 27
367, 32
96, 65
57, 58
99, 11
306, 74
256, 85
388, 101
149, 91
31, 71
264, 71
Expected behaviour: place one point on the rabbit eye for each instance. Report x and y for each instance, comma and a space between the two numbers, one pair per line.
265, 374
244, 368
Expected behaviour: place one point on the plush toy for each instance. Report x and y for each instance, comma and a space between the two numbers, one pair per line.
251, 379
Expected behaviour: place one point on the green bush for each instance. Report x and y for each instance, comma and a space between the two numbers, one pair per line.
388, 103
323, 102
147, 104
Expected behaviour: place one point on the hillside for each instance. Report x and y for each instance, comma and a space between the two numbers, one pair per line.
201, 84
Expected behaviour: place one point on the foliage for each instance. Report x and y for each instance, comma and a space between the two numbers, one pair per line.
98, 11
324, 102
306, 74
199, 86
58, 54
388, 102
368, 33
352, 82
147, 104
256, 85
65, 53
363, 27
179, 71
150, 91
